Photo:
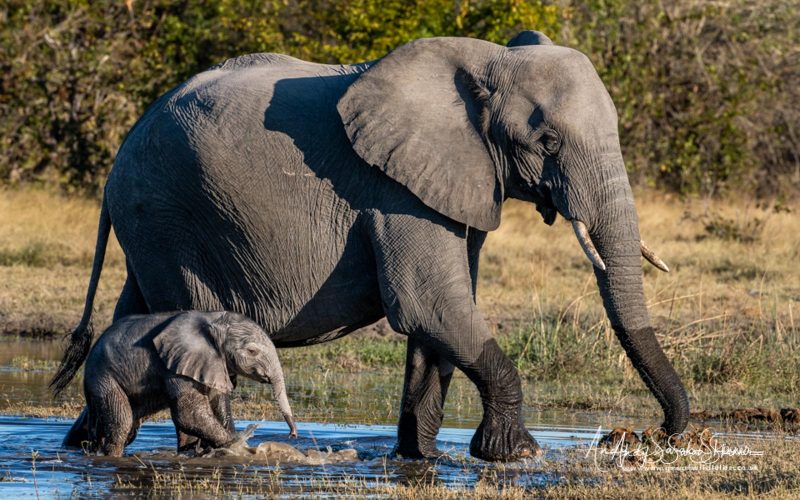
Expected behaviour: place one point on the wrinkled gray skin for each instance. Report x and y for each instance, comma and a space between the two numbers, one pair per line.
187, 362
317, 199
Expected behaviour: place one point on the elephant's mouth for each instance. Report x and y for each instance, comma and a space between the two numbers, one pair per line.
548, 213
544, 205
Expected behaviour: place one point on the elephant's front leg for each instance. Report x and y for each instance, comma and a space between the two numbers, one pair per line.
427, 378
221, 406
426, 288
188, 444
193, 416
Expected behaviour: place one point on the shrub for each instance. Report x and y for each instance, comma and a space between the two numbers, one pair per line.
706, 91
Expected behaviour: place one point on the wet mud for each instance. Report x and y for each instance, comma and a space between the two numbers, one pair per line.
692, 438
786, 418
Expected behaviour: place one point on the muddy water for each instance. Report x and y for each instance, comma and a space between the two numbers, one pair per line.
335, 411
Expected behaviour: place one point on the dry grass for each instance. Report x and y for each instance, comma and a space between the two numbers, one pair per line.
530, 268
726, 312
46, 249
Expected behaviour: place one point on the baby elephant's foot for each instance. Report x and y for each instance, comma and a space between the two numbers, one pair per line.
499, 438
242, 437
237, 446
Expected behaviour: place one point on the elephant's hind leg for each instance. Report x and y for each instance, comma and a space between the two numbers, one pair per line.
79, 432
115, 423
131, 300
427, 378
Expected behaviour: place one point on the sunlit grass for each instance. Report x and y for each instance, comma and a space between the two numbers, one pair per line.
725, 314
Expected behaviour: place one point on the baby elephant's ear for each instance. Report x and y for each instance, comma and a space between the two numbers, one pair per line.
187, 348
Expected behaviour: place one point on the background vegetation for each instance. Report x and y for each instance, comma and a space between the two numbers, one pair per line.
706, 91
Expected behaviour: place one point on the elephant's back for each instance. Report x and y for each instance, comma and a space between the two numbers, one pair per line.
248, 126
124, 353
241, 185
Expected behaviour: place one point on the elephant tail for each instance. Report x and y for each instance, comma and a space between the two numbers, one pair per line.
81, 338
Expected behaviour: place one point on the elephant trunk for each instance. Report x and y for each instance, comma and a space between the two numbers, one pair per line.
279, 393
615, 235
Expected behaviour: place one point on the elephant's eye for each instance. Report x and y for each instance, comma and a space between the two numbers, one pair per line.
252, 351
551, 141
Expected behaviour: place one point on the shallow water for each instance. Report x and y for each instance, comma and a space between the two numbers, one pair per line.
65, 472
363, 407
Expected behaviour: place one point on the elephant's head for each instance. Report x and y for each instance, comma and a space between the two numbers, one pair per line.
210, 347
465, 124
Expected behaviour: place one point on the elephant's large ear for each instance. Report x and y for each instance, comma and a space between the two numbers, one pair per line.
417, 115
187, 347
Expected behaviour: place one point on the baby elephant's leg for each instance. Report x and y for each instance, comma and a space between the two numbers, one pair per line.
134, 431
192, 414
221, 405
186, 442
113, 419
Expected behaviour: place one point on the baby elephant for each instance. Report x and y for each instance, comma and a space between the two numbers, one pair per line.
184, 361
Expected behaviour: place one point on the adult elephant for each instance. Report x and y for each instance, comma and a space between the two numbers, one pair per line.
317, 199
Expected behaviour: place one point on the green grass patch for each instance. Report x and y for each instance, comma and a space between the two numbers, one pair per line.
41, 254
350, 354
25, 363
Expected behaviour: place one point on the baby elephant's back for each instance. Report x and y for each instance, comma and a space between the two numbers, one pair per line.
124, 355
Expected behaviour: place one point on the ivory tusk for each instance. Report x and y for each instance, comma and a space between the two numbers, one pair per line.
653, 258
586, 243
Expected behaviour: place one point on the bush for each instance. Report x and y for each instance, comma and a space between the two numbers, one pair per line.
706, 91
79, 73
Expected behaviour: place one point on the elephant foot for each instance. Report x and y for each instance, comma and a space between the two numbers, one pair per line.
430, 452
498, 439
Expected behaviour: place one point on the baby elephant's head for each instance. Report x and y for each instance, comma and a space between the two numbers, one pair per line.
249, 352
212, 347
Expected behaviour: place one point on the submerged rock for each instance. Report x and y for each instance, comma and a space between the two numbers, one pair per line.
623, 434
692, 438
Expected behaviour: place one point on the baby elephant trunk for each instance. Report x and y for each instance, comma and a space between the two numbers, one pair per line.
279, 392
274, 373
